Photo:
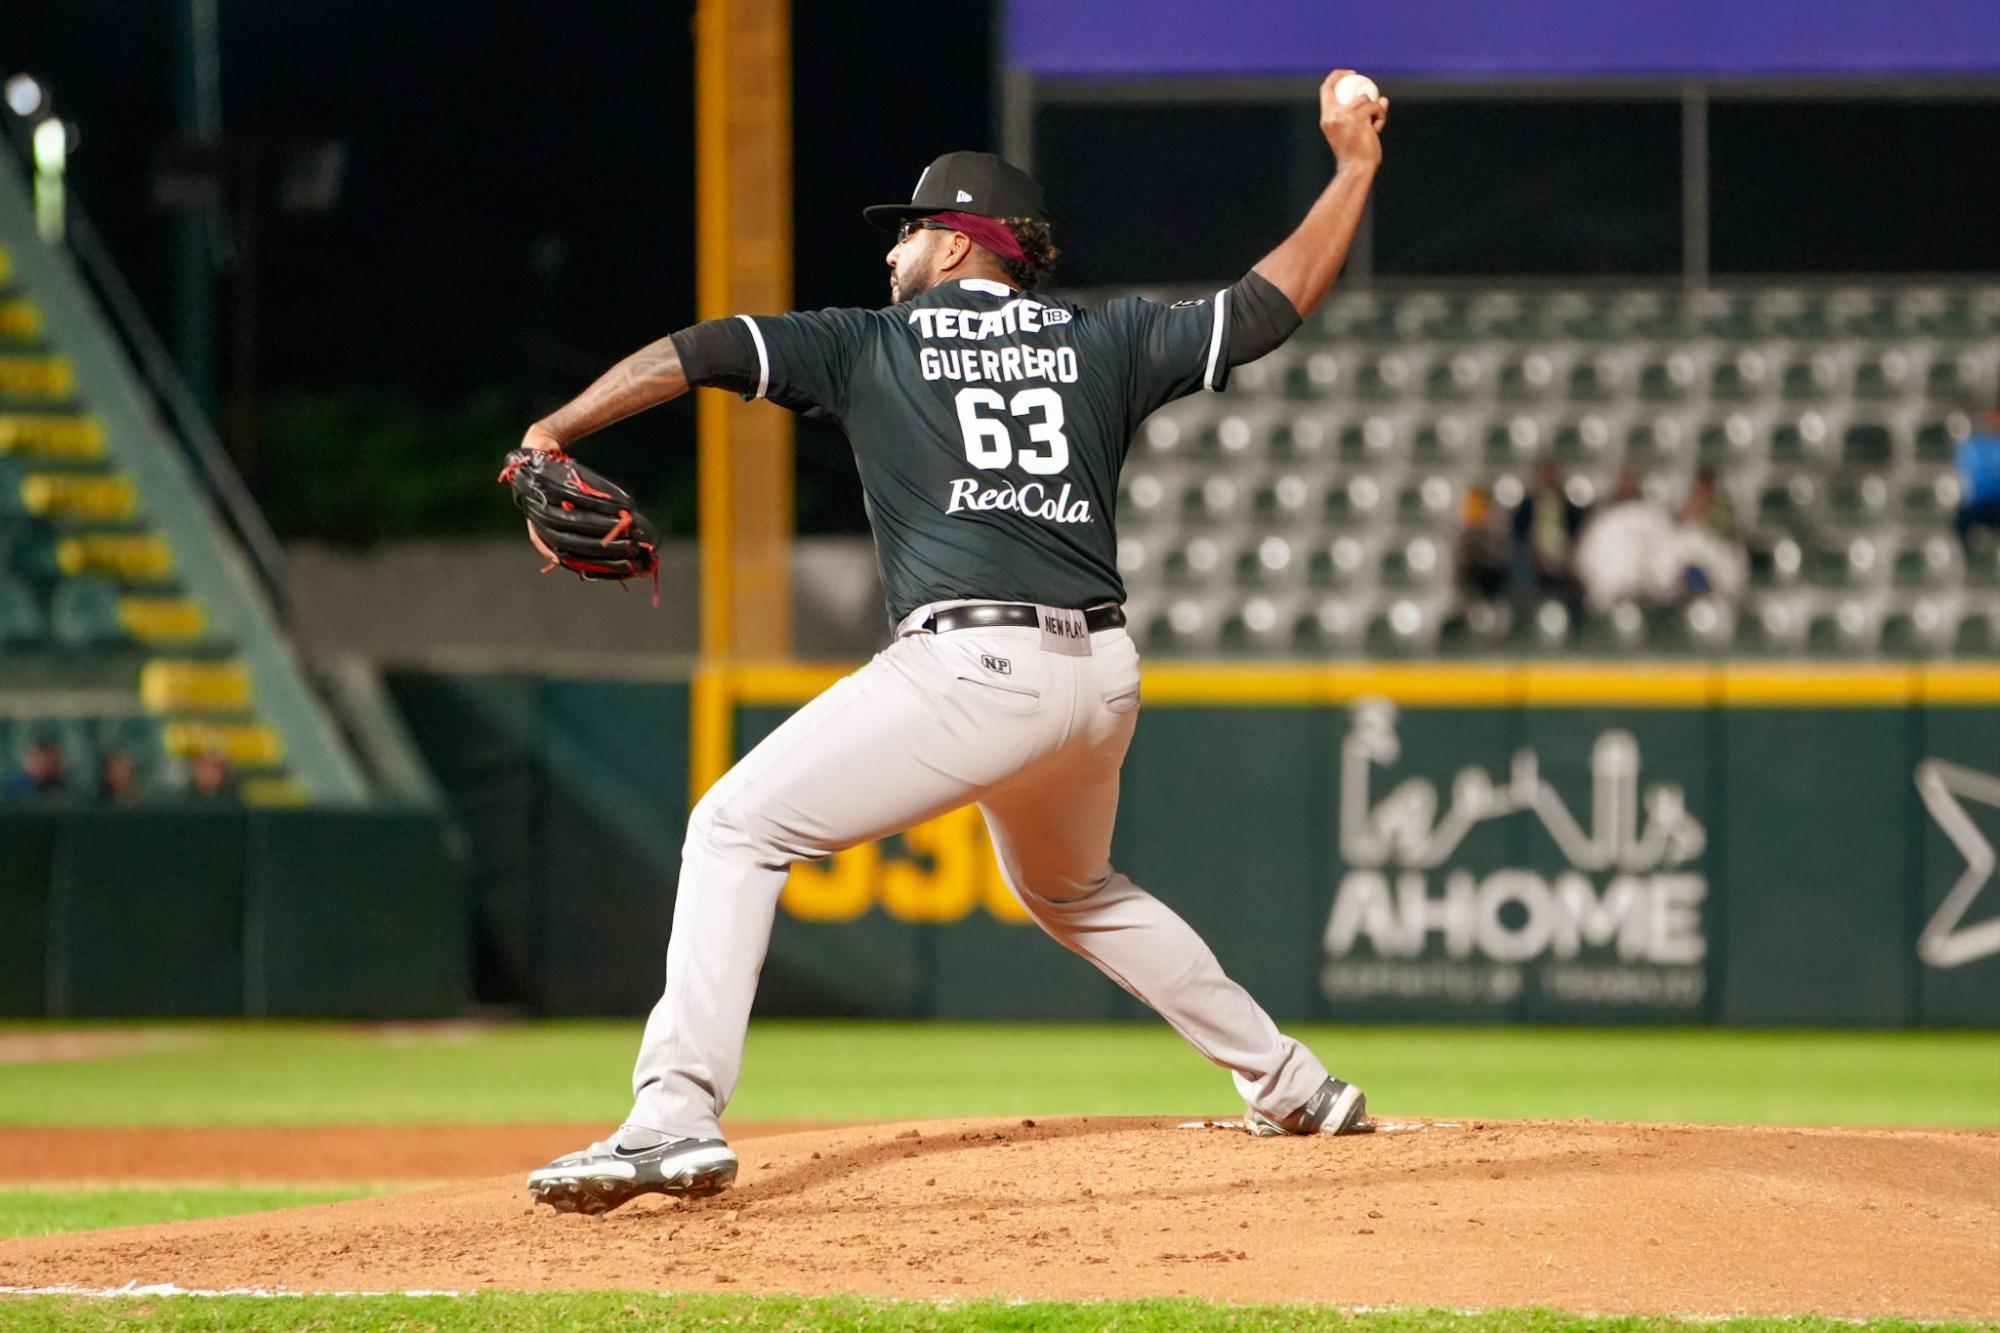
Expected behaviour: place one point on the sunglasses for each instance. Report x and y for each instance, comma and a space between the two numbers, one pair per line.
915, 225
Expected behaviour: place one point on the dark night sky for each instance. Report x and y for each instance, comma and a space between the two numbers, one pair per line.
517, 209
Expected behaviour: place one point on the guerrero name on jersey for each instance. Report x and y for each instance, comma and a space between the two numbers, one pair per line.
988, 425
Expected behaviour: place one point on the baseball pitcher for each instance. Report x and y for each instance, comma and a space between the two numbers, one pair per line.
989, 425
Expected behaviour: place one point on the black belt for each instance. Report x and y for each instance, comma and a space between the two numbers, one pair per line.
1013, 613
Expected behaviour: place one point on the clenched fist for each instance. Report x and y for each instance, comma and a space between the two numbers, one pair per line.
1353, 129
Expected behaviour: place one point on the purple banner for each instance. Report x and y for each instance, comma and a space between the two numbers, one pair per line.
1505, 39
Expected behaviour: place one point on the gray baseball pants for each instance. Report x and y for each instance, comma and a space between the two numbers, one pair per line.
934, 722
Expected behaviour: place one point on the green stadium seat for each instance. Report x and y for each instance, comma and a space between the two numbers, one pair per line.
1813, 379
1585, 441
1927, 564
1729, 315
1431, 502
1145, 498
1743, 377
1339, 563
1657, 442
1930, 501
1956, 379
1950, 315
1528, 379
1774, 563
1356, 502
1282, 500
1667, 379
1890, 375
1730, 442
1300, 439
1314, 377
1418, 563
1982, 565
1476, 629
1803, 440
1194, 564
1868, 444
1788, 503
1261, 626
1920, 632
1230, 438
1843, 631
1455, 378
1514, 441
1877, 316
1217, 499
1937, 441
1977, 634
27, 549
84, 614
1611, 633
1451, 320
1268, 562
1383, 377
1444, 441
1802, 315
1596, 379
1405, 629
21, 621
1373, 439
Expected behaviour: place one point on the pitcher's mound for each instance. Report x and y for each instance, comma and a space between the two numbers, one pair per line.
1574, 1215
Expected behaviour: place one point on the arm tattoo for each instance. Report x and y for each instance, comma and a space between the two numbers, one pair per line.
650, 376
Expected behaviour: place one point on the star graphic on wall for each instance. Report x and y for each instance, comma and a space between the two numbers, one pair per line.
1946, 787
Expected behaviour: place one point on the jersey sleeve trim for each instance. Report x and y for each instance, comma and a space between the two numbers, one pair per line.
1216, 365
763, 357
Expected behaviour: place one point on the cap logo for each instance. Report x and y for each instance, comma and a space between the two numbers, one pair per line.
963, 197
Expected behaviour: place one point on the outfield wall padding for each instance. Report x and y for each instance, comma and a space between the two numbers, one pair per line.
172, 912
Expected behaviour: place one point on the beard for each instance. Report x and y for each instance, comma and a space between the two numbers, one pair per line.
909, 286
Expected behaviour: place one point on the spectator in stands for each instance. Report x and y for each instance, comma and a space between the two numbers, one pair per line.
1708, 549
1546, 525
1979, 480
1480, 558
117, 778
209, 778
1618, 557
42, 774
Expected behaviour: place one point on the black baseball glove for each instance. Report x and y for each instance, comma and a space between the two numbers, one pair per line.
581, 521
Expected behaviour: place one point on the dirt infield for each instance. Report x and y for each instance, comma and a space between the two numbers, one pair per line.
363, 1154
1576, 1215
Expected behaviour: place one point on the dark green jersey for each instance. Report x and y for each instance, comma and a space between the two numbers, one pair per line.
989, 426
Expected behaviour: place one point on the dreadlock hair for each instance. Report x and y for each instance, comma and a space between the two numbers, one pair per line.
1040, 247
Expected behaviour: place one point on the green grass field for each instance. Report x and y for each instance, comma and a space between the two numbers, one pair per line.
319, 1074
329, 1074
588, 1310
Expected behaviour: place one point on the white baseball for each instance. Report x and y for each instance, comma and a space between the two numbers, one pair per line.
1351, 88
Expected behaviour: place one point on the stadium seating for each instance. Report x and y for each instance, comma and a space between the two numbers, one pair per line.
1313, 508
102, 648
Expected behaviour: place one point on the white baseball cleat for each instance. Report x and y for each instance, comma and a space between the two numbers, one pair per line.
1337, 1108
630, 1163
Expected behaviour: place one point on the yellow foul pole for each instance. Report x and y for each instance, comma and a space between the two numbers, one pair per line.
743, 196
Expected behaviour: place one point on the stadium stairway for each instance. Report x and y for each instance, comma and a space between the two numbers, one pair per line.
129, 616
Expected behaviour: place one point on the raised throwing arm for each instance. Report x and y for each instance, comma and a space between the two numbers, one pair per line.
1305, 263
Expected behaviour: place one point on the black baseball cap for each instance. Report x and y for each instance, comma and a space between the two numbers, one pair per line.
977, 183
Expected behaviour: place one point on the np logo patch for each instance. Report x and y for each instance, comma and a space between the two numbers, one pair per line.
1183, 305
999, 666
